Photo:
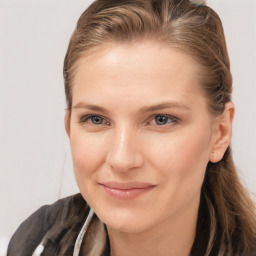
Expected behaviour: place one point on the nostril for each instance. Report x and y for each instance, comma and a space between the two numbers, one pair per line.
124, 162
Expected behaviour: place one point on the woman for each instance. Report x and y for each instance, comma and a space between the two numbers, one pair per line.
149, 118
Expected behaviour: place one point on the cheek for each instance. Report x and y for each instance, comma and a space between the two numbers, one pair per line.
88, 154
182, 156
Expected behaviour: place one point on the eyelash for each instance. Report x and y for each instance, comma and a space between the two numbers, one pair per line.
85, 118
173, 119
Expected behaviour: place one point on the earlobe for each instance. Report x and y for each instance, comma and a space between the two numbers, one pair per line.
222, 133
67, 121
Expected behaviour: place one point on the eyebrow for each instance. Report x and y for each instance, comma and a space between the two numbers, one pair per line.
145, 109
175, 105
90, 106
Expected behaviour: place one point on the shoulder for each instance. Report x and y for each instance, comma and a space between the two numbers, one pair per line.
31, 232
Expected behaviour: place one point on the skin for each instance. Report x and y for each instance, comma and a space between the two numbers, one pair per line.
128, 144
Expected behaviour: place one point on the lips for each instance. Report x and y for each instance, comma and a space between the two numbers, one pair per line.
128, 190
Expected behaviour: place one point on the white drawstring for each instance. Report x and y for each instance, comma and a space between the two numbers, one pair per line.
40, 248
80, 237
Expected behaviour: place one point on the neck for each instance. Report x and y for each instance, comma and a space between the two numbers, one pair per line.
174, 236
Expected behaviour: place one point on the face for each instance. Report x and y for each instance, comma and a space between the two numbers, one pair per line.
140, 134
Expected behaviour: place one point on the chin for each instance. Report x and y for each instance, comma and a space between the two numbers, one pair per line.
125, 221
127, 226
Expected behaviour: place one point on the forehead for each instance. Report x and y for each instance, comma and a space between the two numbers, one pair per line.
143, 68
148, 53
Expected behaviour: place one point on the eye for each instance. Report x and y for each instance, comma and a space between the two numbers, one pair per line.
94, 119
164, 119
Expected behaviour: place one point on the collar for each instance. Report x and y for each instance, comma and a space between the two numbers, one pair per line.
92, 239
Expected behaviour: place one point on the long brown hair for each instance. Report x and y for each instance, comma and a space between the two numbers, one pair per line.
197, 30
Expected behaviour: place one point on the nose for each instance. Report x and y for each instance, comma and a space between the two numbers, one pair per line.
124, 153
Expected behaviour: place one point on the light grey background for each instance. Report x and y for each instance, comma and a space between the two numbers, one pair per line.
35, 162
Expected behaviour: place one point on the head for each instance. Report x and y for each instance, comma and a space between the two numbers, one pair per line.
148, 89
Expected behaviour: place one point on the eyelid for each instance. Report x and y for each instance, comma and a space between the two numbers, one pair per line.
85, 118
174, 119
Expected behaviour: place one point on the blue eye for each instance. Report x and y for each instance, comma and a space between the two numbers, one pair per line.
164, 119
96, 119
93, 119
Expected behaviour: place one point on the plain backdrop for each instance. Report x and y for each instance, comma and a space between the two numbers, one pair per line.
35, 162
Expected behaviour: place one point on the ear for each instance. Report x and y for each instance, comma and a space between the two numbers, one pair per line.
67, 121
222, 133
